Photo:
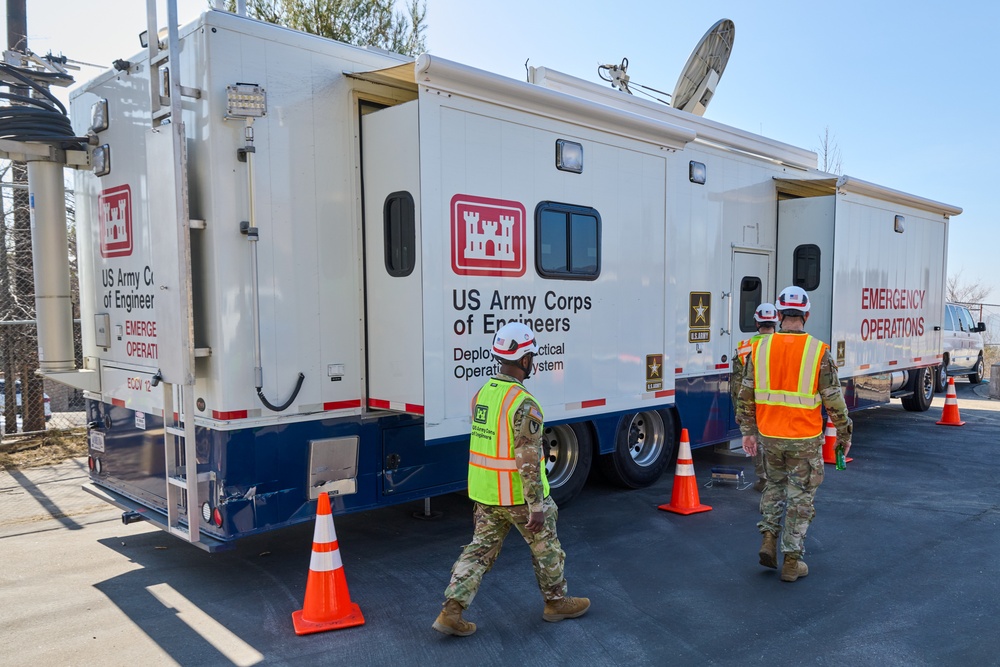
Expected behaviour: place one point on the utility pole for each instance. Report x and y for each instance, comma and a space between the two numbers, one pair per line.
25, 345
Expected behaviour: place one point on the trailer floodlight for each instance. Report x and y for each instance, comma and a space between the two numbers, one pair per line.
102, 160
569, 156
697, 172
99, 116
245, 100
899, 224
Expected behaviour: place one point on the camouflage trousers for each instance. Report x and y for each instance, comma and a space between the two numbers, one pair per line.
492, 525
794, 472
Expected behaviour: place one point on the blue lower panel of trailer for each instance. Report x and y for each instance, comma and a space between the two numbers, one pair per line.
260, 475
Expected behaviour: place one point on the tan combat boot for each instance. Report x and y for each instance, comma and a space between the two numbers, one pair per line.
769, 550
557, 610
793, 568
450, 622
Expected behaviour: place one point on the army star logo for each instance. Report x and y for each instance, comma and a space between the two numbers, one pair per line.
699, 311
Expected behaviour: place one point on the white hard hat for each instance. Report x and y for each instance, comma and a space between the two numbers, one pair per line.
766, 313
793, 298
513, 341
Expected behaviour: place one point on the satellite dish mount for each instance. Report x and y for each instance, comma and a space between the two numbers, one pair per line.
701, 74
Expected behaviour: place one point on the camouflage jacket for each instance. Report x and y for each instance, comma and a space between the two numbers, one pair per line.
829, 391
527, 432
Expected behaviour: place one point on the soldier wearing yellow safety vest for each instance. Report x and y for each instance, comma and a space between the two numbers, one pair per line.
766, 319
789, 377
507, 482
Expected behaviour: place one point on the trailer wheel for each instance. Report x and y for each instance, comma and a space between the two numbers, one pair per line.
645, 445
568, 450
922, 385
941, 376
977, 376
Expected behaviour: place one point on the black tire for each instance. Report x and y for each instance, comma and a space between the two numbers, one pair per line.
977, 376
645, 445
922, 386
941, 376
569, 452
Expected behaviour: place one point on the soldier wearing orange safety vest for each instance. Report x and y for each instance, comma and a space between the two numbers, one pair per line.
790, 376
507, 481
766, 319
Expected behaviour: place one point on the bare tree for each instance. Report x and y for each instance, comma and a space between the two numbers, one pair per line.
966, 292
829, 153
360, 22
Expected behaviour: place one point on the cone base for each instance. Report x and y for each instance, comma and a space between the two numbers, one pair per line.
667, 507
349, 620
944, 423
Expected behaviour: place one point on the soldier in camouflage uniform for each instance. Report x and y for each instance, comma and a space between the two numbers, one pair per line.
794, 464
765, 318
512, 492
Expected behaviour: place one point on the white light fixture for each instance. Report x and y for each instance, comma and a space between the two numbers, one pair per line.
245, 100
697, 172
101, 160
899, 224
569, 156
99, 116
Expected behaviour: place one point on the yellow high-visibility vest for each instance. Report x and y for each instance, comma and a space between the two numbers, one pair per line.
493, 475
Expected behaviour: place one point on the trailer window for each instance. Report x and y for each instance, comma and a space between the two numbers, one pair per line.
399, 234
750, 296
805, 267
567, 241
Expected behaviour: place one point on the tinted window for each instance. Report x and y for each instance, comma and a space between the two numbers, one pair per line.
750, 296
966, 319
805, 267
399, 233
567, 241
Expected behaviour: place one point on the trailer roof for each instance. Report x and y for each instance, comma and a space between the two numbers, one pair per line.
844, 184
437, 74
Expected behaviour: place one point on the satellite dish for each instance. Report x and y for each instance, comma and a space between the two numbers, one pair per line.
704, 68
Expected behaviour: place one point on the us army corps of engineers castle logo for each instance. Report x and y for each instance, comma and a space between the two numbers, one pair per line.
487, 236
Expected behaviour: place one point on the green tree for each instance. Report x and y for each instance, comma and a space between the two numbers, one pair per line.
360, 22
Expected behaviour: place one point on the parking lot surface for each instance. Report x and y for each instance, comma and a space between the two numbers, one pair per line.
902, 558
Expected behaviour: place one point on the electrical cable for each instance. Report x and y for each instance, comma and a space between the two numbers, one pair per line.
41, 119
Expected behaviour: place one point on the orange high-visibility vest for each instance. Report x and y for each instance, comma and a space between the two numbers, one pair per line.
786, 385
745, 347
493, 475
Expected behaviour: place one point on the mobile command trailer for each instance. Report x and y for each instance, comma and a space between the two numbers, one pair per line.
292, 266
747, 216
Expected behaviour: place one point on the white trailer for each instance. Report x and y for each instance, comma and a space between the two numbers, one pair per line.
294, 253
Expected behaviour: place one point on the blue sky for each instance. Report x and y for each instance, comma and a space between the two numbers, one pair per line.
907, 89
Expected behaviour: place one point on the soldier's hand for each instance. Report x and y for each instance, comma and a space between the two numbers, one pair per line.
536, 521
847, 447
750, 445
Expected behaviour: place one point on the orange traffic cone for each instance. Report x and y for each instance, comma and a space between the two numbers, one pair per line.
684, 499
949, 416
830, 445
328, 604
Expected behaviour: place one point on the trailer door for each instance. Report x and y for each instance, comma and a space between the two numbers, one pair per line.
751, 287
393, 302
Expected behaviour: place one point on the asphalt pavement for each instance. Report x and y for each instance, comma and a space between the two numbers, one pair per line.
902, 558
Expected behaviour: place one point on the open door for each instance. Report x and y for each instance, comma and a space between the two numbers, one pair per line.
751, 287
393, 300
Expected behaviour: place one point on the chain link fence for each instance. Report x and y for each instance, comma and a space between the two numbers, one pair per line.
29, 404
